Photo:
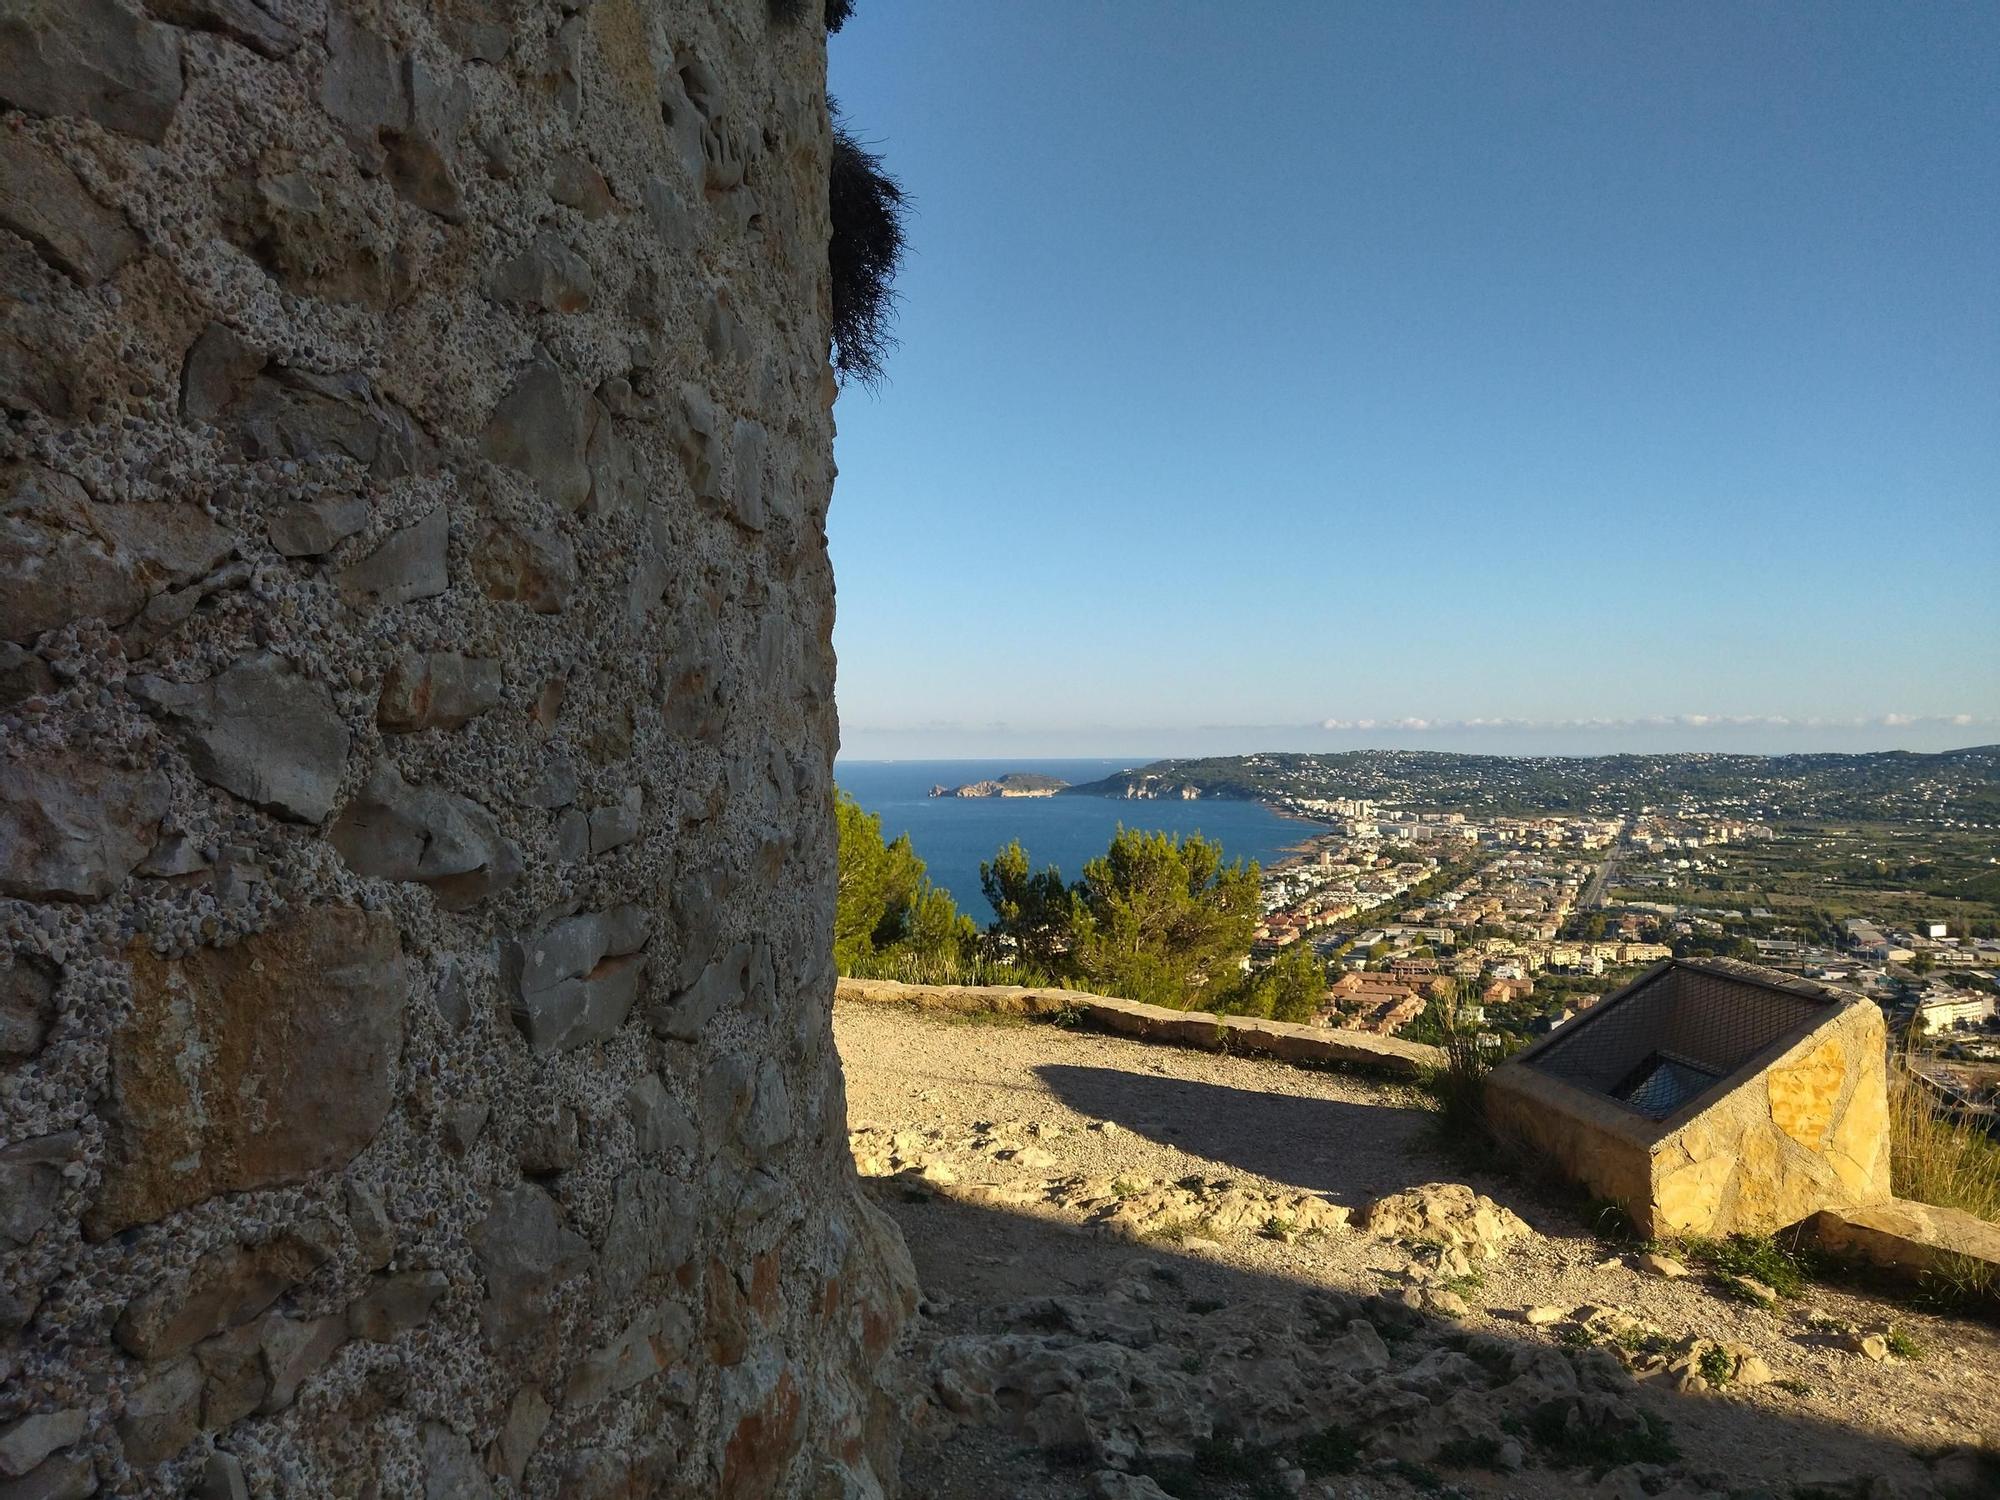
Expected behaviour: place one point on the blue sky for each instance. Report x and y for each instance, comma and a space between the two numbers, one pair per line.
1540, 377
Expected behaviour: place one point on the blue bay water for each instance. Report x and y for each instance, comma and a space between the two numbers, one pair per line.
953, 835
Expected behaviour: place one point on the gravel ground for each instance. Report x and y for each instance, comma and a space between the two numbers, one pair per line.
992, 1229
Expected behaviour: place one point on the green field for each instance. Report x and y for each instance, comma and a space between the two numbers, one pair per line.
1814, 875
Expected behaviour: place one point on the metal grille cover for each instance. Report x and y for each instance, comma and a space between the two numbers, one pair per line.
1674, 1035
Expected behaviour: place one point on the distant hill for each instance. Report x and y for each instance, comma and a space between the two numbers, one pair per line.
1890, 785
1013, 784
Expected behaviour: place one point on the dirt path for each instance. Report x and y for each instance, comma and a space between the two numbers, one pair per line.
1100, 1223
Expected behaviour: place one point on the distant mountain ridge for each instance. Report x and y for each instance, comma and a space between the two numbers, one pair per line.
1881, 784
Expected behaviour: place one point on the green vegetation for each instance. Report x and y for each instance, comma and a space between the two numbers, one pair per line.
1716, 1367
1599, 1447
1903, 1345
889, 921
1157, 918
1785, 1270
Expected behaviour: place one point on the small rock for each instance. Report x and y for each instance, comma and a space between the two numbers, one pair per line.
1655, 1264
222, 1475
410, 564
1541, 1317
395, 1304
1111, 1484
24, 1444
1753, 1290
262, 732
1868, 1345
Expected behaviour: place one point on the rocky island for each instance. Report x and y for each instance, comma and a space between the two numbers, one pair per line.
1013, 784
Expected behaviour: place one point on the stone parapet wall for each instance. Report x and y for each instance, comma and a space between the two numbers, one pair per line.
1156, 1023
416, 722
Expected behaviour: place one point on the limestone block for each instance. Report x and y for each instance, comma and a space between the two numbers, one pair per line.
409, 564
27, 995
260, 731
31, 1183
525, 1252
68, 558
577, 981
538, 430
528, 565
245, 21
742, 976
1686, 1198
656, 1340
71, 830
395, 1304
394, 831
25, 1443
310, 528
42, 201
450, 1471
226, 1288
289, 1041
527, 1419
651, 1235
547, 275
100, 59
309, 417
162, 1414
660, 1122
437, 690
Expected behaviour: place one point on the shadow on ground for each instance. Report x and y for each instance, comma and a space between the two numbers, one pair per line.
1048, 1318
1351, 1152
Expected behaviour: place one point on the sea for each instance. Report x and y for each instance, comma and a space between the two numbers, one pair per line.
952, 835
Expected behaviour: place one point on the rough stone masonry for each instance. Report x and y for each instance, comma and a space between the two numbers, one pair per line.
416, 689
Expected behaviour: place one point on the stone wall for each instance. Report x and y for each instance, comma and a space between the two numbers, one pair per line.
1324, 1045
417, 700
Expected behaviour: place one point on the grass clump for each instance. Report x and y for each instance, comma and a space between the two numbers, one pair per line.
1549, 1428
1179, 1231
1332, 1450
1456, 1088
1125, 1187
1953, 1283
1470, 1453
1902, 1344
1937, 1160
867, 207
1716, 1367
1784, 1269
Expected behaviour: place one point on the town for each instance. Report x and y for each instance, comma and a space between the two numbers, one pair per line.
1520, 923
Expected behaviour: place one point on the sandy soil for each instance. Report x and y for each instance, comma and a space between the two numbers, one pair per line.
1831, 1413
